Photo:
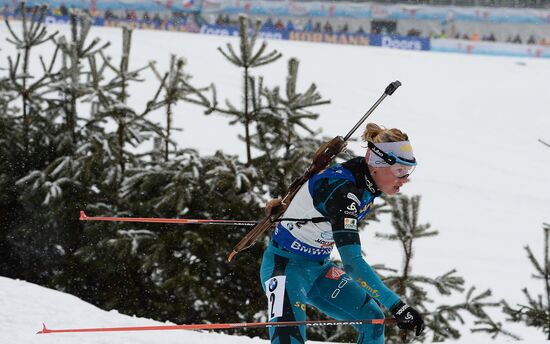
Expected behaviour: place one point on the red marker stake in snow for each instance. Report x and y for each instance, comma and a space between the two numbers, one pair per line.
46, 330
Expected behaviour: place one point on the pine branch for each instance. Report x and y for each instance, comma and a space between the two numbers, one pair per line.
535, 262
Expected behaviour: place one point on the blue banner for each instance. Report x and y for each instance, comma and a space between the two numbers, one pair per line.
400, 42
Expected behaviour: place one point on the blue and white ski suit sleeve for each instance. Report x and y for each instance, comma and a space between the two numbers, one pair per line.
342, 209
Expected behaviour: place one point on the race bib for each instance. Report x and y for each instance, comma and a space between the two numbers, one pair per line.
275, 292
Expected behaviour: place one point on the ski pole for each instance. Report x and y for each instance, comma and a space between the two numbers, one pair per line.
84, 217
387, 92
46, 330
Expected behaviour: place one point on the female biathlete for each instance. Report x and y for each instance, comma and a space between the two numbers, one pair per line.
296, 270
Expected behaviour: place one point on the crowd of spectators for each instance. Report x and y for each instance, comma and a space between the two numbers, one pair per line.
278, 24
157, 18
182, 18
475, 37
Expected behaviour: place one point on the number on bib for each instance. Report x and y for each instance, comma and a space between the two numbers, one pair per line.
275, 292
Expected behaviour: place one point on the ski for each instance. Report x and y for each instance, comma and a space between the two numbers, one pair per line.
84, 217
224, 326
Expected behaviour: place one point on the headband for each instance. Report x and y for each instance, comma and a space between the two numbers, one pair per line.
401, 149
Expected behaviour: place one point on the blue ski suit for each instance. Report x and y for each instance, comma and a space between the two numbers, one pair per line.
296, 270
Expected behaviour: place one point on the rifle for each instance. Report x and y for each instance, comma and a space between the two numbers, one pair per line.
321, 159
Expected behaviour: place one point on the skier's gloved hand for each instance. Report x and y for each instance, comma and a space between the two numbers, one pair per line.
407, 317
273, 206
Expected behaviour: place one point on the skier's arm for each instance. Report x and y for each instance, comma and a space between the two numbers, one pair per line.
356, 266
338, 204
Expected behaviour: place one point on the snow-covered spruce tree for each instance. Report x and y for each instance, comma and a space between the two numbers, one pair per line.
115, 278
247, 59
53, 189
536, 313
11, 130
110, 84
181, 260
28, 88
73, 163
415, 289
27, 131
73, 83
161, 271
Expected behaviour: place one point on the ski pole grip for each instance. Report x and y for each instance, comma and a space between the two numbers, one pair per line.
392, 87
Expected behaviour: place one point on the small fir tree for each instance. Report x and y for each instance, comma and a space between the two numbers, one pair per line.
27, 87
72, 81
536, 313
177, 87
247, 58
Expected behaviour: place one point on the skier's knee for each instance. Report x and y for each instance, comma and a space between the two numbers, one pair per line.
371, 334
376, 311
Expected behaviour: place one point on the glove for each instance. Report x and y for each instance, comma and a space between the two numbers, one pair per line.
407, 317
273, 206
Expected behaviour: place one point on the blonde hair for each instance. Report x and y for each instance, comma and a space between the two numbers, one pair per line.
377, 134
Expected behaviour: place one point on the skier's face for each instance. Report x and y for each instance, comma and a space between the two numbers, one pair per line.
386, 180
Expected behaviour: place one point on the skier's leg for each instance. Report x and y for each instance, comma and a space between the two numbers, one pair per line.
338, 296
284, 287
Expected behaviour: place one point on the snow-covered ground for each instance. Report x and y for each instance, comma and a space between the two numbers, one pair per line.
474, 122
24, 306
